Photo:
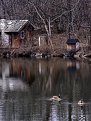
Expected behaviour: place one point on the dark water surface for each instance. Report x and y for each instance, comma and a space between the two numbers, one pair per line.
26, 86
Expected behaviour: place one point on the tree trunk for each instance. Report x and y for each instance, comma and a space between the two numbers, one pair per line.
90, 35
69, 16
50, 34
49, 23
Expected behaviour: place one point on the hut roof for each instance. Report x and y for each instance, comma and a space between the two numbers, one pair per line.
15, 25
72, 41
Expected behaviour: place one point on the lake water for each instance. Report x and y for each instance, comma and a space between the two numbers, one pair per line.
26, 86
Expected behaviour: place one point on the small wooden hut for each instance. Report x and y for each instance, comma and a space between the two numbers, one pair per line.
15, 33
73, 45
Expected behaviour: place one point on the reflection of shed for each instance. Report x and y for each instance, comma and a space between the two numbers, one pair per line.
14, 33
20, 70
72, 66
73, 45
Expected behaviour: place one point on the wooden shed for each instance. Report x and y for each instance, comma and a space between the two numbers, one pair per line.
15, 33
73, 45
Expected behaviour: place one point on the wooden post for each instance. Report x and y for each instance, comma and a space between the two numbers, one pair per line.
39, 41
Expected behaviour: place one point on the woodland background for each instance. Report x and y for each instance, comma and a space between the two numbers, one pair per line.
69, 17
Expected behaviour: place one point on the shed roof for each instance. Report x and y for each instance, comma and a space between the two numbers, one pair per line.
13, 25
72, 41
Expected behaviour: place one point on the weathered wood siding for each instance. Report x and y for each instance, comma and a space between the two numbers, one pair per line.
20, 39
71, 47
16, 43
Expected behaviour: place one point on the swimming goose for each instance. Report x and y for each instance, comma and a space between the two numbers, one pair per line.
56, 98
81, 102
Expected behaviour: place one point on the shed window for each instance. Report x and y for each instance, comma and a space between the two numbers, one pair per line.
22, 35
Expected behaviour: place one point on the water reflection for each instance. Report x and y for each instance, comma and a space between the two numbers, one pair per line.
27, 85
73, 65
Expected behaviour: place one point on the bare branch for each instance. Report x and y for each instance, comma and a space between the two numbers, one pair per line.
40, 16
66, 11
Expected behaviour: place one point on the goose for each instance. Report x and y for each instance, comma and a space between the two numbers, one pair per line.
56, 98
81, 102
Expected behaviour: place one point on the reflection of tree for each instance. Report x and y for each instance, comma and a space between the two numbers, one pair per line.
52, 78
